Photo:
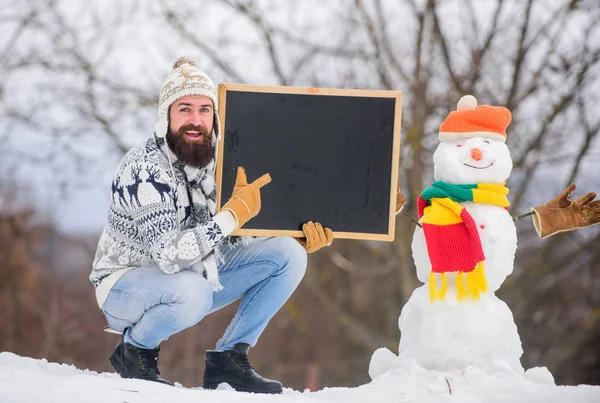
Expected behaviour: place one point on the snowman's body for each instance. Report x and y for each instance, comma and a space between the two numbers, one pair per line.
449, 333
487, 331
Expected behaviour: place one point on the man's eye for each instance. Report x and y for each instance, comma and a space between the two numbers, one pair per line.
205, 110
184, 110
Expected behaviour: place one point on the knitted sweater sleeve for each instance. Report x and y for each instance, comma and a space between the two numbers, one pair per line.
156, 217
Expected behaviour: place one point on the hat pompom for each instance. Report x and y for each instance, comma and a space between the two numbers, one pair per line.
466, 102
183, 60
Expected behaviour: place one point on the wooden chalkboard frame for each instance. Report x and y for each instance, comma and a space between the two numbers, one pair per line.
224, 88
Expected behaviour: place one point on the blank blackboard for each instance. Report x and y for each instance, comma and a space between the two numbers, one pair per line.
332, 154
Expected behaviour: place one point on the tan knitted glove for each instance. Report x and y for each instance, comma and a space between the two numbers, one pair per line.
245, 200
316, 237
561, 214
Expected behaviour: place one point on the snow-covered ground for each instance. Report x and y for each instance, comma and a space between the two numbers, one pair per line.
29, 380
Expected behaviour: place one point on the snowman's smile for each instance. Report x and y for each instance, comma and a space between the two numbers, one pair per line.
473, 166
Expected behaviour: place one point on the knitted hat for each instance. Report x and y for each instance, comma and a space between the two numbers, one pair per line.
185, 80
470, 120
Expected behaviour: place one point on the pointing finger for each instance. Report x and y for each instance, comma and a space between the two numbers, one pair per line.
262, 181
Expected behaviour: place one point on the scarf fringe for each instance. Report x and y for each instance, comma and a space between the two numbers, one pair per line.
468, 285
473, 285
247, 240
436, 294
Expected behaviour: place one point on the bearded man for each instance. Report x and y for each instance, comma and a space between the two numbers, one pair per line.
165, 259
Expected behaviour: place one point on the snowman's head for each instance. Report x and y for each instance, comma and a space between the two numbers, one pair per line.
473, 145
472, 160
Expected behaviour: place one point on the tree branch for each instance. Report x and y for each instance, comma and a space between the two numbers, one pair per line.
478, 55
590, 134
266, 32
437, 32
385, 42
520, 58
369, 26
175, 22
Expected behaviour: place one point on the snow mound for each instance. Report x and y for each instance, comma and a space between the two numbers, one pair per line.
29, 380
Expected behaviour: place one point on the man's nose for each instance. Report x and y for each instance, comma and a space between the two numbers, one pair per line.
195, 119
476, 154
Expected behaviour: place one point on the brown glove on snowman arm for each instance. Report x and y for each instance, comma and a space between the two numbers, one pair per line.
561, 214
400, 202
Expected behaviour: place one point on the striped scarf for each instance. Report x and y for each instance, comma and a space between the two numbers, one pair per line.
451, 234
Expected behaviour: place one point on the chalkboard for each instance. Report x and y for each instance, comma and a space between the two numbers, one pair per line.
332, 154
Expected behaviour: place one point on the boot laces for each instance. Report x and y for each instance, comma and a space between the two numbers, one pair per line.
149, 359
240, 360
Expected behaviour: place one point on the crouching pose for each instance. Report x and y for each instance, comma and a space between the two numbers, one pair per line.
165, 259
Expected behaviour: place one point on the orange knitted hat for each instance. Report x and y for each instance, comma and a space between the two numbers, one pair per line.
470, 120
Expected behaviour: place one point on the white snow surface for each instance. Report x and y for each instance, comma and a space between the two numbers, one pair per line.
29, 380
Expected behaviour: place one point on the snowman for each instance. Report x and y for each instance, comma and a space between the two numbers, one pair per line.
463, 250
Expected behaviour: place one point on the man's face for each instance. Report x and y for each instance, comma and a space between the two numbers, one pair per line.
190, 130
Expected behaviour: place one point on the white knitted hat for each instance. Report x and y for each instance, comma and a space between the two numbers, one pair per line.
185, 80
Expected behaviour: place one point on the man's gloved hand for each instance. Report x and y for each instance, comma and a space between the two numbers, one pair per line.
561, 214
245, 200
316, 237
400, 202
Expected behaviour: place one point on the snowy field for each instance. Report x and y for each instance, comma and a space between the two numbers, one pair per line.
28, 380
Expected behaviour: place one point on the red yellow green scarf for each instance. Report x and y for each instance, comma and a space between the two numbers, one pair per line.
452, 237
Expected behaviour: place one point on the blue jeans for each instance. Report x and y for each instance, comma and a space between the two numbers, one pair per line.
155, 305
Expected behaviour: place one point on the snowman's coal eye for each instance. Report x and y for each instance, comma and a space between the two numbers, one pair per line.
486, 141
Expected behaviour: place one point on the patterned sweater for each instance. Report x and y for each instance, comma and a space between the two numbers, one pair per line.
157, 218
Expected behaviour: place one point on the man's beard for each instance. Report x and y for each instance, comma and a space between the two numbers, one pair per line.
196, 154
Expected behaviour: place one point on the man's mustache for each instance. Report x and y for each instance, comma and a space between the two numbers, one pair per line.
190, 127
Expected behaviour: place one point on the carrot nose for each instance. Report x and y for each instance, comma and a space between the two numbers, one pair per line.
476, 154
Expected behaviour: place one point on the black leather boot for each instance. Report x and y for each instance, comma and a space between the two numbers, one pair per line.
233, 367
136, 363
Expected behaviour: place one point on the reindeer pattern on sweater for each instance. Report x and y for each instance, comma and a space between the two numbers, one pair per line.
157, 217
